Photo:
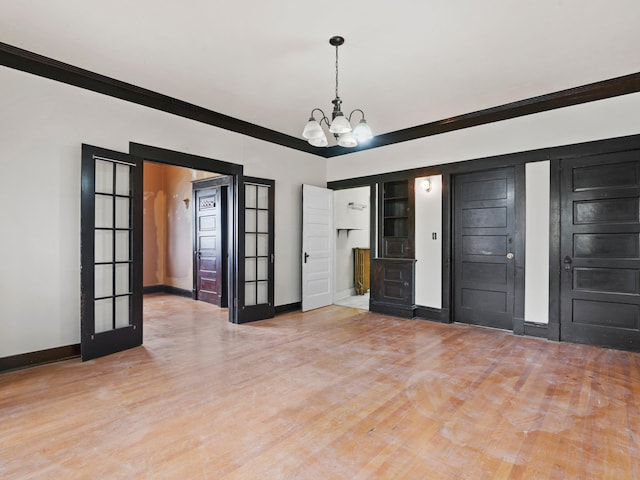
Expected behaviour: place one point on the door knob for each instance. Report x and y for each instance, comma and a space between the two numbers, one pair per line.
567, 262
306, 255
510, 256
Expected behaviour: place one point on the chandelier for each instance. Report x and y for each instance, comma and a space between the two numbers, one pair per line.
340, 125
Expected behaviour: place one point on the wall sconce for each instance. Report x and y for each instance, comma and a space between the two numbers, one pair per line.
186, 203
426, 184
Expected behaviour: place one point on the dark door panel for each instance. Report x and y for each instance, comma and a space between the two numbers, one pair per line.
600, 250
111, 252
256, 275
484, 248
210, 209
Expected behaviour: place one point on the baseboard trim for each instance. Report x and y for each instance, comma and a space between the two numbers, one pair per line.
402, 311
553, 331
181, 292
349, 292
540, 330
518, 326
41, 357
153, 289
290, 307
432, 314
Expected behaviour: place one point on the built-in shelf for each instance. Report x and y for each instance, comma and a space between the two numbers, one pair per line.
397, 219
347, 230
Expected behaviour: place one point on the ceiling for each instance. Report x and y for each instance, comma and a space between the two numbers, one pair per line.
405, 63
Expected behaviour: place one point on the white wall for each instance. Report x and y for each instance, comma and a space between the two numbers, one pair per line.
609, 118
536, 278
345, 217
428, 221
42, 126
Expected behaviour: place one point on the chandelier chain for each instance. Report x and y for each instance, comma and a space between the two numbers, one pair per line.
336, 71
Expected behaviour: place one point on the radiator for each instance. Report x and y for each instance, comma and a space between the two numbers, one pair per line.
361, 269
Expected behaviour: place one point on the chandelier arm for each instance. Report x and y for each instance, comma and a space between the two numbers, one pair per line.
354, 111
323, 119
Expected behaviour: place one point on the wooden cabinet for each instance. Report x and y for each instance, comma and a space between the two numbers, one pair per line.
393, 286
393, 273
397, 219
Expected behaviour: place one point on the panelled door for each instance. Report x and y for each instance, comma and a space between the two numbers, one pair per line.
210, 241
484, 253
111, 252
600, 250
256, 211
317, 247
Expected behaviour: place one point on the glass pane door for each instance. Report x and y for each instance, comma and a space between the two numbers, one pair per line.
257, 292
111, 238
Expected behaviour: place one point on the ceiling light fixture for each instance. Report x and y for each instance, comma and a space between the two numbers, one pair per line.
340, 125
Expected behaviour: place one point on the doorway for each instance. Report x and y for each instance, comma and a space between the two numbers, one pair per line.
173, 211
352, 218
485, 250
111, 256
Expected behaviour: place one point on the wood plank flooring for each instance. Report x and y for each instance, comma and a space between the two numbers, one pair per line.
336, 393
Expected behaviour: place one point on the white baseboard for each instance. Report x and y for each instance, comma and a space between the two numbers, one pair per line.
349, 292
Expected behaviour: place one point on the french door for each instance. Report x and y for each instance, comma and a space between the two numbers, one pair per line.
111, 252
256, 212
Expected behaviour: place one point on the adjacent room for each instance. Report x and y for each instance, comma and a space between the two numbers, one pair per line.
272, 240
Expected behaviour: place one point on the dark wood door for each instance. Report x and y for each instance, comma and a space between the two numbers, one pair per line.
484, 248
256, 212
111, 252
600, 250
210, 242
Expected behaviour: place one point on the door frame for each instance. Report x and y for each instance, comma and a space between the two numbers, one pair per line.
371, 234
448, 220
197, 185
234, 172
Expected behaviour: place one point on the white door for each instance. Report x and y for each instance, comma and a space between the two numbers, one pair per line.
317, 247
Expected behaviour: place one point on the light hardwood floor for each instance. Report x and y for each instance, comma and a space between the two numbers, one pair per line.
336, 393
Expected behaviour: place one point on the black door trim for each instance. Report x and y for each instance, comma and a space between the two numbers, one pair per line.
519, 242
553, 331
234, 171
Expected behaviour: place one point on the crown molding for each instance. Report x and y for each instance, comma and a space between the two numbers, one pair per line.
564, 98
26, 61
